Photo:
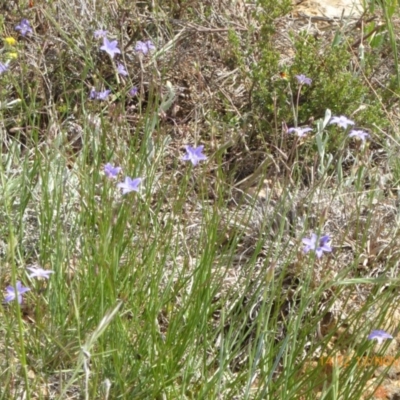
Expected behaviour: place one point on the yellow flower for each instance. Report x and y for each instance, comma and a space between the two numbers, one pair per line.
11, 55
10, 41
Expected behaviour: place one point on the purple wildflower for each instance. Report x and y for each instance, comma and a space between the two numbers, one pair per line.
303, 80
121, 70
130, 185
144, 47
111, 171
300, 131
194, 154
318, 245
93, 95
24, 27
134, 91
362, 135
342, 121
12, 293
110, 47
379, 335
103, 95
3, 68
38, 272
100, 33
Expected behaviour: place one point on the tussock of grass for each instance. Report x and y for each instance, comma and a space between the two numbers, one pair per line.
197, 285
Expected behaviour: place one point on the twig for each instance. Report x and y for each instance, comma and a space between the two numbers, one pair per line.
199, 28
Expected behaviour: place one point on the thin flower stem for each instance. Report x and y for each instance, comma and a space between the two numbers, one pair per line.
115, 71
297, 105
294, 108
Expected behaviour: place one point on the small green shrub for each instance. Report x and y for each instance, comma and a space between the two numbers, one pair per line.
338, 84
335, 86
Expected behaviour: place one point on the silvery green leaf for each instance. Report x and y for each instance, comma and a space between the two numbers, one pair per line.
328, 116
